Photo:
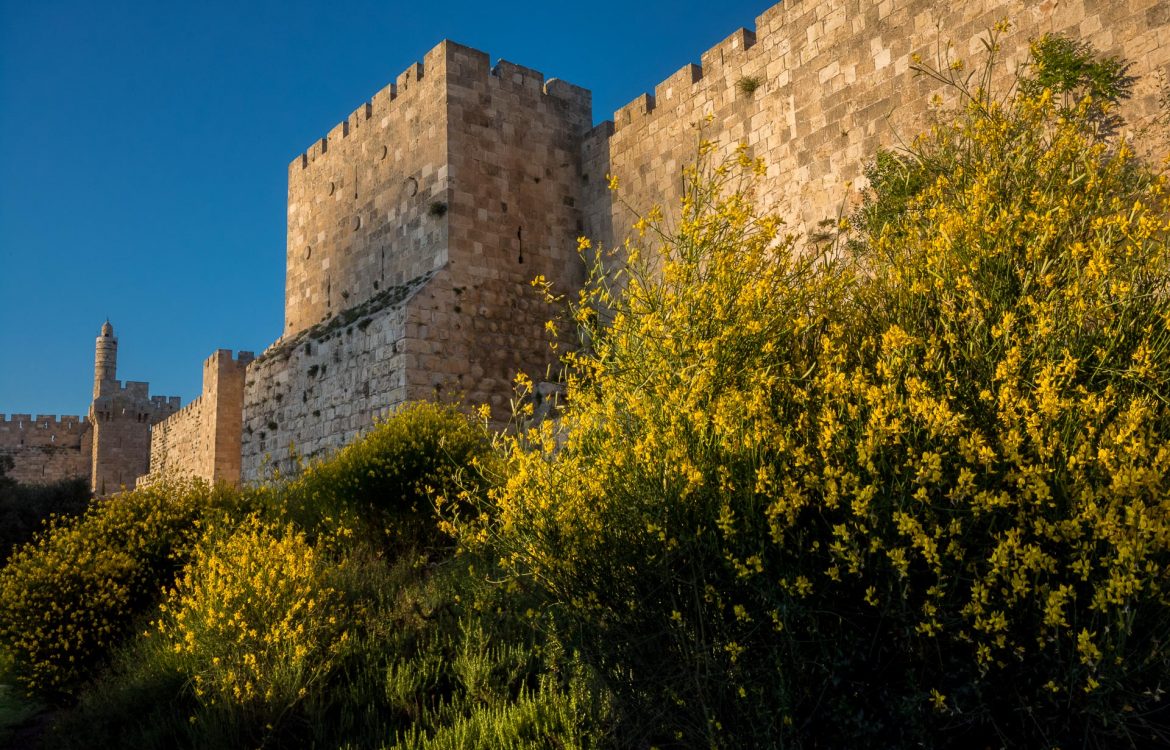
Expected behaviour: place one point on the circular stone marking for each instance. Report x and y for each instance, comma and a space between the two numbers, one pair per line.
385, 151
411, 187
332, 187
357, 223
308, 251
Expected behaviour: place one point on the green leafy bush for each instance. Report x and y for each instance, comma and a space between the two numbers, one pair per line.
299, 626
389, 477
255, 620
409, 655
919, 500
24, 508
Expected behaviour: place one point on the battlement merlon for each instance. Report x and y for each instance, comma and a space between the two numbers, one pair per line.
166, 402
711, 62
138, 389
224, 362
450, 60
179, 413
223, 357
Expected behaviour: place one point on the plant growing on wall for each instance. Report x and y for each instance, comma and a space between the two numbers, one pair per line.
748, 85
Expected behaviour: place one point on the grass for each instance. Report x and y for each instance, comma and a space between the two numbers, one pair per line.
15, 709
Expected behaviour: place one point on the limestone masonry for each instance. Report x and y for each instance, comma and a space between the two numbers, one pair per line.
202, 438
416, 224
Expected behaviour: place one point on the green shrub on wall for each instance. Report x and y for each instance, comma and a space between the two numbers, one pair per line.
919, 497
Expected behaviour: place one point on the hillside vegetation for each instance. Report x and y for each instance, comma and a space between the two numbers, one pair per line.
907, 488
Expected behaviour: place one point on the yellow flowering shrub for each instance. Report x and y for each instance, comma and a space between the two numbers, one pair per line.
917, 496
255, 622
69, 596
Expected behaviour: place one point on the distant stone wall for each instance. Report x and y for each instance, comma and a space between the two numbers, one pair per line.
832, 84
202, 439
122, 416
46, 449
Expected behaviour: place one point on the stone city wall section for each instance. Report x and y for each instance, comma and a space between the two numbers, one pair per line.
202, 439
820, 85
367, 227
46, 449
516, 212
366, 202
122, 416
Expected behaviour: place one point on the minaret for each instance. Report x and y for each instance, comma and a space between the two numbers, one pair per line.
105, 359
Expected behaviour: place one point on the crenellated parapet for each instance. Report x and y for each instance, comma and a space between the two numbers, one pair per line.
17, 430
46, 448
383, 165
368, 203
415, 226
819, 86
132, 401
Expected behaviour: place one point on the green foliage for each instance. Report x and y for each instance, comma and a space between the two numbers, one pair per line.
433, 658
24, 508
256, 620
1015, 318
917, 501
1085, 89
389, 477
1074, 72
15, 711
66, 599
748, 85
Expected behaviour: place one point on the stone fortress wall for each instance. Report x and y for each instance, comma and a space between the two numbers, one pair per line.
197, 440
47, 448
820, 85
436, 202
110, 447
431, 208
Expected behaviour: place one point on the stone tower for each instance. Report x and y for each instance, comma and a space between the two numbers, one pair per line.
415, 227
105, 359
121, 417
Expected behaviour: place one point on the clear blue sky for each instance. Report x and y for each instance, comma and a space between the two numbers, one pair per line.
144, 148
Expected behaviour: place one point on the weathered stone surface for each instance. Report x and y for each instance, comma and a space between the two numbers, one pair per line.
496, 163
47, 448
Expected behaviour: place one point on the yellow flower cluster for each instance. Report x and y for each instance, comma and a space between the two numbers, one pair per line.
253, 621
